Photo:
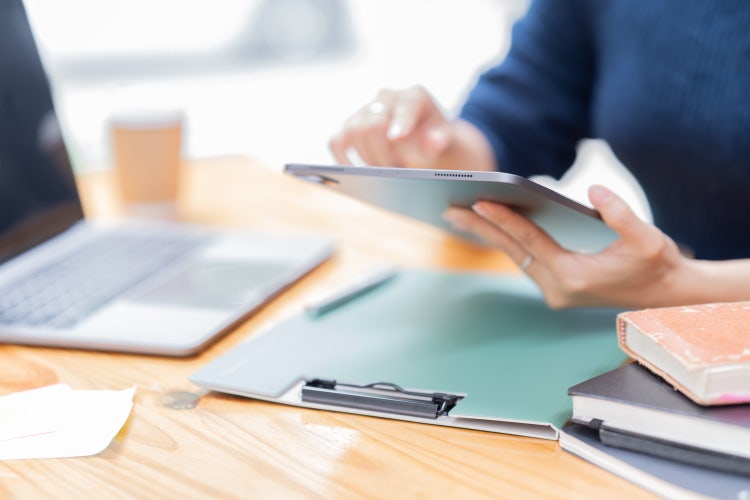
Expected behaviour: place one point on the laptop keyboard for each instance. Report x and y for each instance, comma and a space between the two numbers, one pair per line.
63, 293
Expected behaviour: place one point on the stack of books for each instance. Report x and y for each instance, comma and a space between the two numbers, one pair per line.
677, 420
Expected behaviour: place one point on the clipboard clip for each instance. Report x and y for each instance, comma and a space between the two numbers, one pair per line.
379, 396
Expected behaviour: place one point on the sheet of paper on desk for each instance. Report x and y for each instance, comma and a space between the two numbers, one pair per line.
57, 421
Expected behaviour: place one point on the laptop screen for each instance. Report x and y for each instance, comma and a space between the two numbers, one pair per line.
38, 196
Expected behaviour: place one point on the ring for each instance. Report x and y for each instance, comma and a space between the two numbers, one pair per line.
526, 262
376, 108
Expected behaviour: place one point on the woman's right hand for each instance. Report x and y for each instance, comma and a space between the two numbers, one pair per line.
406, 128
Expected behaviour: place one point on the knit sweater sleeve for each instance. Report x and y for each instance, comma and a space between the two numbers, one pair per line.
534, 107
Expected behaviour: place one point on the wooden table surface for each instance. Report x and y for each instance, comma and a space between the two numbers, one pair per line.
232, 447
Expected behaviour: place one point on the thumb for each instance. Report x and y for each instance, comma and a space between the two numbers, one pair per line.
619, 216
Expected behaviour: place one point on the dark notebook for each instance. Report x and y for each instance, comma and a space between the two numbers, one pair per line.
632, 408
666, 478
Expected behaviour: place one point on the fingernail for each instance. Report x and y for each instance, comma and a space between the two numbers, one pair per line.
395, 130
438, 140
480, 210
599, 195
454, 221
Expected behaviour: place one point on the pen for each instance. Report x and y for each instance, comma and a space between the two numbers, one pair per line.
351, 292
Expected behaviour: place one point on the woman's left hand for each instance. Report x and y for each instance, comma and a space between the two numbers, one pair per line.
643, 268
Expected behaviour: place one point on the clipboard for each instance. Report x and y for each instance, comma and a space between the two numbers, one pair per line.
477, 350
425, 194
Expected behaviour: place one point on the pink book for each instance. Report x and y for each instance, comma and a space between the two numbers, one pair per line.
702, 350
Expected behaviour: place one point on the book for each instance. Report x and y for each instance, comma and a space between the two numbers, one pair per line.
702, 350
666, 478
674, 451
631, 399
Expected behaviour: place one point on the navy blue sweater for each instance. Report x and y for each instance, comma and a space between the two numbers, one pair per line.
666, 83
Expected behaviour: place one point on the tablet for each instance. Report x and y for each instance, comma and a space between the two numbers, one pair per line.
425, 195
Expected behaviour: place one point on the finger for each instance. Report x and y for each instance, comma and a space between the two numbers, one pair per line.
464, 219
359, 135
346, 139
411, 108
339, 145
361, 144
379, 150
619, 216
376, 120
386, 96
350, 136
365, 139
436, 141
530, 237
425, 149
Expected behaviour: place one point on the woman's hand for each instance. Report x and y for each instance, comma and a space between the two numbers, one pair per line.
643, 268
407, 129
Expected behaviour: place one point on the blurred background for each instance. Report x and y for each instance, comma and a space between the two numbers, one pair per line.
272, 79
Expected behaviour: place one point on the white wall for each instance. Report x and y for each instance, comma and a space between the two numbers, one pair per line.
278, 112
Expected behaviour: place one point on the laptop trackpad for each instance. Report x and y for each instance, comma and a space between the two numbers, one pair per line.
215, 284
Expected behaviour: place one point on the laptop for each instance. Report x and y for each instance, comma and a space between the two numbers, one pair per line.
143, 287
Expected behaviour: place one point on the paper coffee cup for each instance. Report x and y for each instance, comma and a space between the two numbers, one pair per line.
146, 147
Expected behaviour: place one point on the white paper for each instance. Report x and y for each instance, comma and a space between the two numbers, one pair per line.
57, 421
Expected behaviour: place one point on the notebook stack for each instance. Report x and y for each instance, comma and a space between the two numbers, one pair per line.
676, 421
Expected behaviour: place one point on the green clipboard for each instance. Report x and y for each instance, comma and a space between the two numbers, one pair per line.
488, 341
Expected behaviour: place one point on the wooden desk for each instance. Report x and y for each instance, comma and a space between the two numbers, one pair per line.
230, 447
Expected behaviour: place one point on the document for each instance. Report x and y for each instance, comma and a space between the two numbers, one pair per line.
57, 421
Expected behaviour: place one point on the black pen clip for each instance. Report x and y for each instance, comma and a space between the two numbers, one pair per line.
379, 396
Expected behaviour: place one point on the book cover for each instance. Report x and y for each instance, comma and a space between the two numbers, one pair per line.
631, 398
702, 350
674, 451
